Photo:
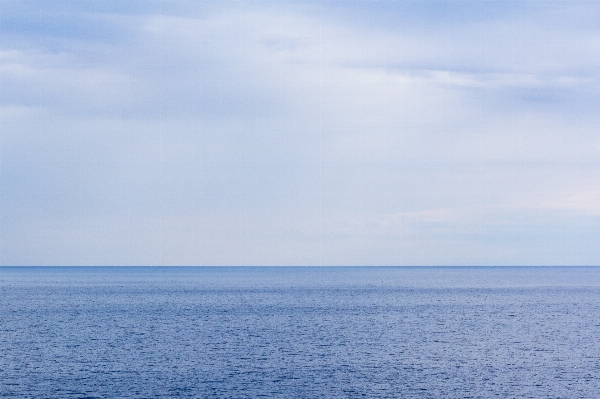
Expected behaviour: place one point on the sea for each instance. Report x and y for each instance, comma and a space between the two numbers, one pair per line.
300, 332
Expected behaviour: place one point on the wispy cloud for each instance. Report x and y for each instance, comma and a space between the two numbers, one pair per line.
317, 133
583, 202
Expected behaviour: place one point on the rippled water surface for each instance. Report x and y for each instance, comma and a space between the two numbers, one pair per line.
300, 332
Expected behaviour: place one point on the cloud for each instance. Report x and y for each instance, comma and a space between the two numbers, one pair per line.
298, 133
584, 202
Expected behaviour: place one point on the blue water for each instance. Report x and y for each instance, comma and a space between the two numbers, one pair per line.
300, 332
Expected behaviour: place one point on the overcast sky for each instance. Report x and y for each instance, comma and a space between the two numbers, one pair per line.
300, 133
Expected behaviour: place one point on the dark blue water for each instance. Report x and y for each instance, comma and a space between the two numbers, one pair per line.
300, 332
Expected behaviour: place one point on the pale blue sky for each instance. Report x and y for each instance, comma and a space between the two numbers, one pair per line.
300, 133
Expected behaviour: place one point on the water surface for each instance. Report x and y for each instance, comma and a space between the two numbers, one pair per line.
300, 332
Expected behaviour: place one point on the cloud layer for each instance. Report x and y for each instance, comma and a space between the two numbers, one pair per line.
300, 133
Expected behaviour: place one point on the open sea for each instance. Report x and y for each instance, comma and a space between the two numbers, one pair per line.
300, 332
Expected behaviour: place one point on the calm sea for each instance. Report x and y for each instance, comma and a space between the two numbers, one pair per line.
300, 332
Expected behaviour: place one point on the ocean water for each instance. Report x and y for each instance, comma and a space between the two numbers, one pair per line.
300, 332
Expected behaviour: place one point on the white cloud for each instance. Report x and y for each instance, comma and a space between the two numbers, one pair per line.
583, 202
423, 140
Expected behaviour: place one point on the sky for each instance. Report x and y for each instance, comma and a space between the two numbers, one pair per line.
299, 133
